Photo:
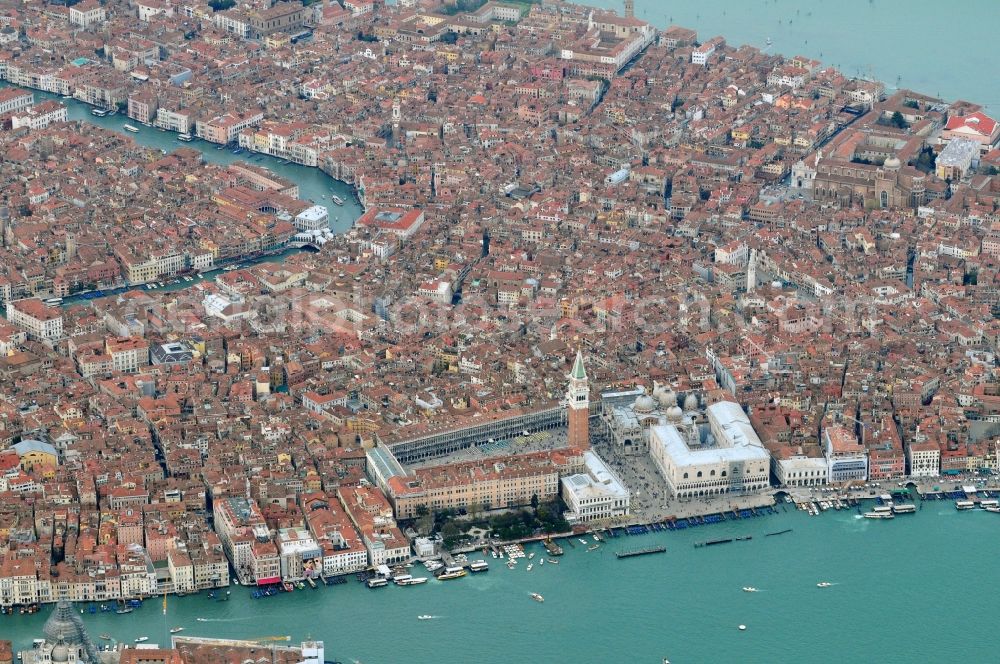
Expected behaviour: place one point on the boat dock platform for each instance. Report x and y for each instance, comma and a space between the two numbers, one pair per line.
714, 542
641, 552
553, 548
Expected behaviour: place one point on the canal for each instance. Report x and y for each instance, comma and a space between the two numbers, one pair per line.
314, 184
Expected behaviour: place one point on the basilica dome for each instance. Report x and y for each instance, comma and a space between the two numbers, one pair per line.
644, 404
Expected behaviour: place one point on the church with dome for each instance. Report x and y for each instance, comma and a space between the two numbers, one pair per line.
66, 640
699, 449
629, 416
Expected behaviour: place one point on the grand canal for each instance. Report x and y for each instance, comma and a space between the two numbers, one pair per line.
313, 184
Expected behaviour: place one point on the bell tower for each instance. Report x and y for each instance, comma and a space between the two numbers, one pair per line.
578, 405
630, 8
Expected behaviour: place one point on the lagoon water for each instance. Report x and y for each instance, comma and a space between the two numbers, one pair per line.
917, 588
937, 48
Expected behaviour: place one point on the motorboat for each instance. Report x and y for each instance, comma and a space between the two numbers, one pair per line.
537, 597
749, 589
337, 199
823, 584
530, 566
412, 581
142, 639
131, 128
426, 617
452, 573
175, 630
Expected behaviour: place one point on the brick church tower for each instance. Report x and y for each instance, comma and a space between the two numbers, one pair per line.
578, 405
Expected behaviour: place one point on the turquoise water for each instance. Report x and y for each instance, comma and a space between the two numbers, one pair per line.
939, 48
920, 584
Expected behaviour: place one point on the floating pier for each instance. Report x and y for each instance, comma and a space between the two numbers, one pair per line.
714, 542
641, 552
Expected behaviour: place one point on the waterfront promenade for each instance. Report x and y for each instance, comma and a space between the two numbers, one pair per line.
577, 622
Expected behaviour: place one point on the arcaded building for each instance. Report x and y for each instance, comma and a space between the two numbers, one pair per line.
723, 456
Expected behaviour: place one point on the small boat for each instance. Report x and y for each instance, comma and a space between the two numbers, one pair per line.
412, 581
337, 199
131, 128
583, 541
142, 639
452, 573
537, 597
426, 617
592, 548
541, 561
106, 637
823, 584
530, 565
768, 42
175, 630
749, 589
743, 628
531, 555
124, 610
553, 561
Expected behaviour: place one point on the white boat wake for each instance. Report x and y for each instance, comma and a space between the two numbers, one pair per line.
222, 619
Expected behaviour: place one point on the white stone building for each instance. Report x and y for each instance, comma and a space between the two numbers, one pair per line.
795, 468
40, 321
596, 493
726, 456
846, 458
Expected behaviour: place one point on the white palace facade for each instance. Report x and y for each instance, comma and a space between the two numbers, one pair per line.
719, 457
